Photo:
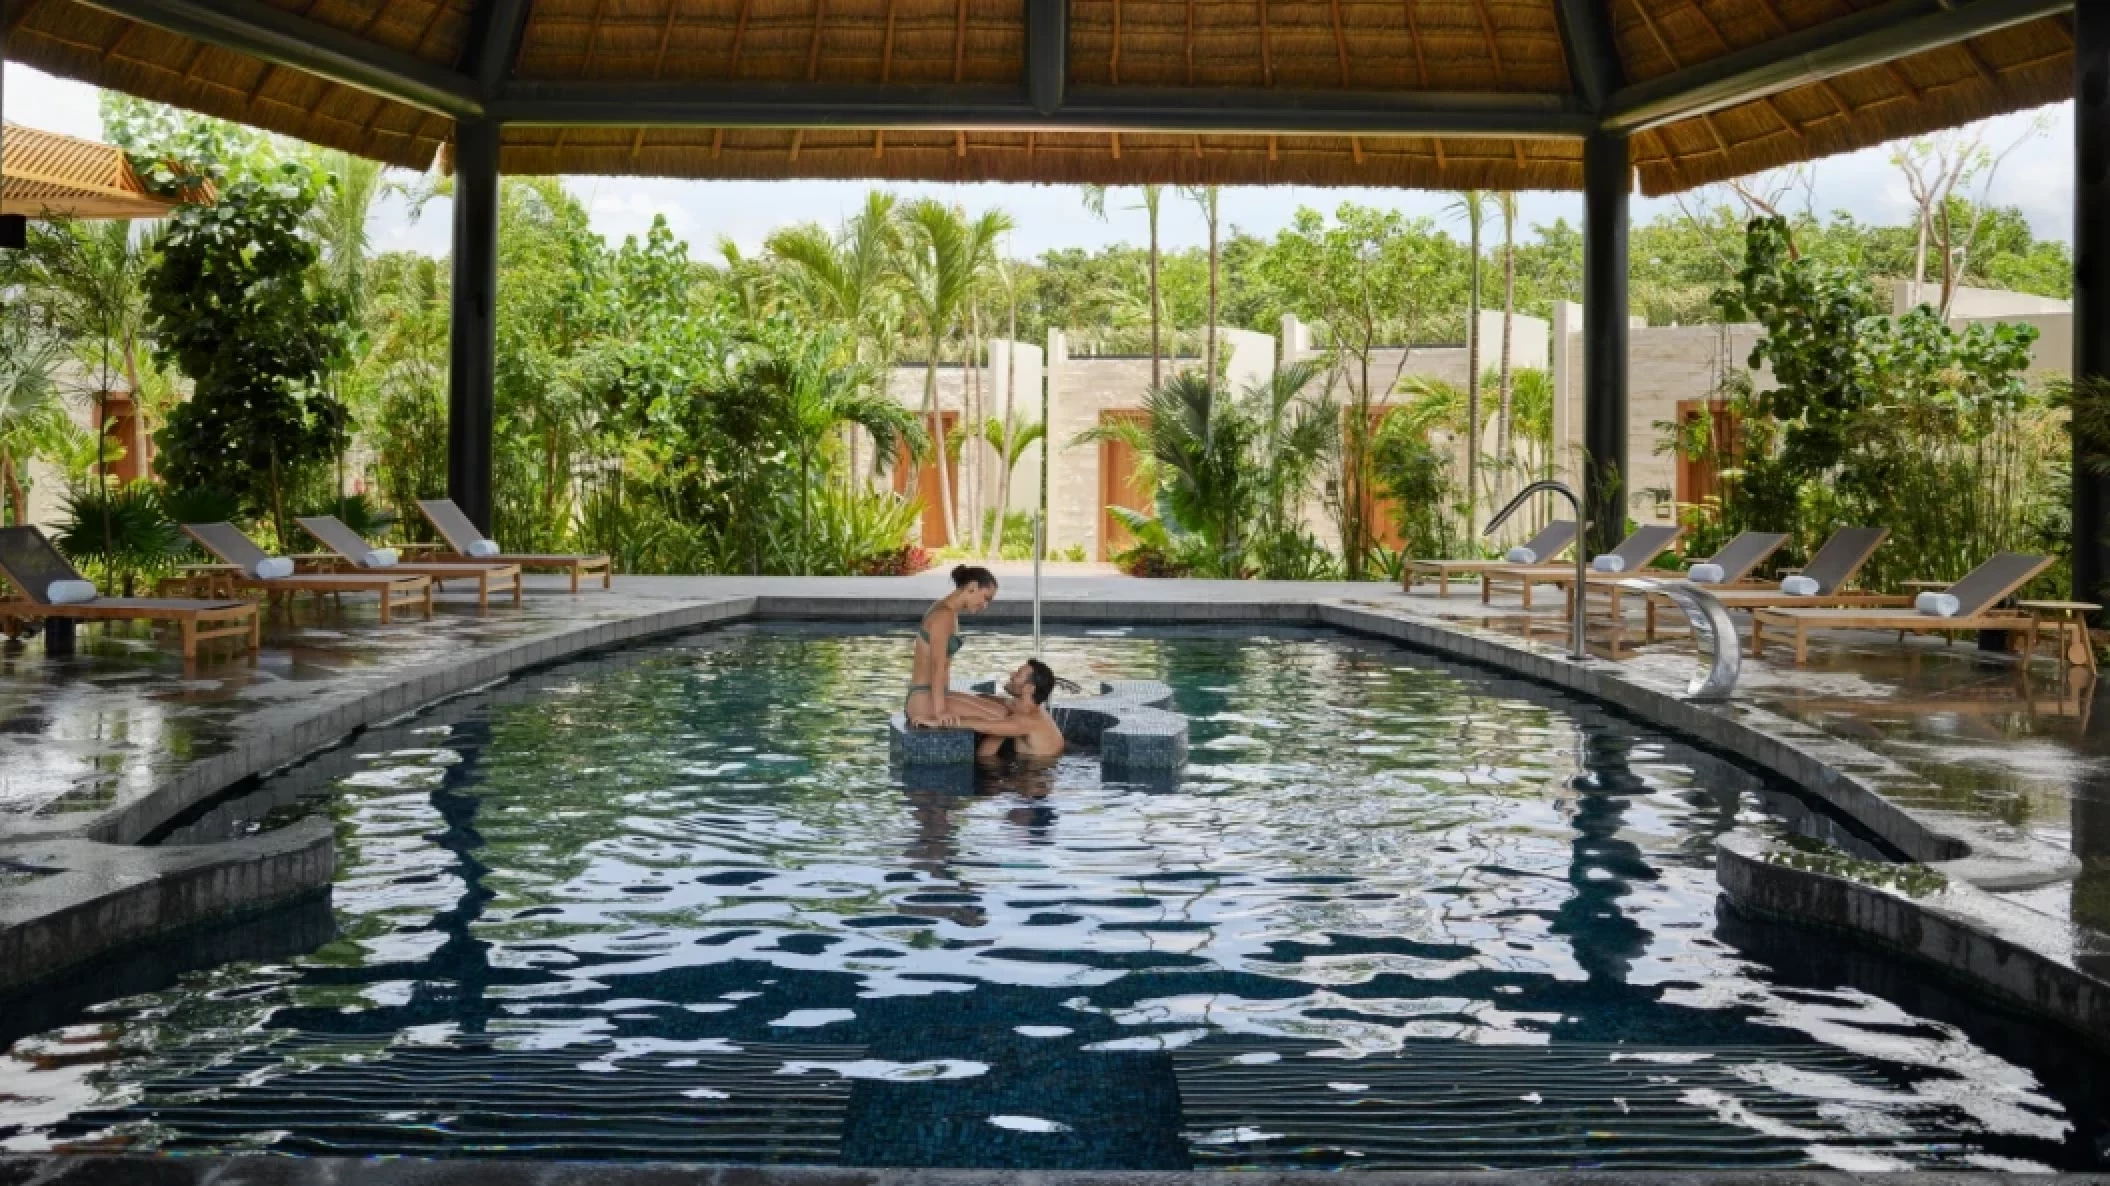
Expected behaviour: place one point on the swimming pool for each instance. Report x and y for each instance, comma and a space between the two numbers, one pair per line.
672, 904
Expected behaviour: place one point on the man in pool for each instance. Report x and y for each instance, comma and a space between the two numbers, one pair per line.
1032, 732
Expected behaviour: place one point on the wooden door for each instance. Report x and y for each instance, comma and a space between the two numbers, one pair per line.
1120, 484
1380, 510
925, 476
1699, 478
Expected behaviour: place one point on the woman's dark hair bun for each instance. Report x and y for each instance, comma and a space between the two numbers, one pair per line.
964, 575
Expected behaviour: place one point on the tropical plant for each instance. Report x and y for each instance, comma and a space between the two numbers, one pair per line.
944, 255
816, 387
1151, 203
1010, 440
1294, 436
1199, 448
1472, 206
32, 418
234, 305
122, 529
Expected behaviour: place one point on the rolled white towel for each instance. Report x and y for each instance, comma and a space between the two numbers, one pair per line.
1609, 562
379, 558
1705, 574
1940, 605
1521, 556
1800, 586
70, 592
272, 568
484, 547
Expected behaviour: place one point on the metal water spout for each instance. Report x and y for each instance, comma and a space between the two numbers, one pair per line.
1577, 602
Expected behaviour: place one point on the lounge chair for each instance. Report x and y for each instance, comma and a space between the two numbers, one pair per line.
1832, 569
353, 550
463, 537
1735, 560
1636, 551
227, 542
1976, 595
1551, 541
31, 564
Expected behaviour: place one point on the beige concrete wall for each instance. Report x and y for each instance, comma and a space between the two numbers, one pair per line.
1967, 302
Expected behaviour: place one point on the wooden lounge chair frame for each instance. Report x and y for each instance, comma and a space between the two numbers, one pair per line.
339, 538
455, 528
1833, 566
1981, 589
199, 621
227, 542
1639, 550
1737, 557
1553, 539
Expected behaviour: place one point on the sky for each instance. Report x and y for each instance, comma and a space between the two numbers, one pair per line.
2037, 176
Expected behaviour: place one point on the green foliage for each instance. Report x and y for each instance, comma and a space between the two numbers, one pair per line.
235, 305
1905, 423
122, 530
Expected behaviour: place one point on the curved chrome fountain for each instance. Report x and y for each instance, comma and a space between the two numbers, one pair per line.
1709, 620
1581, 546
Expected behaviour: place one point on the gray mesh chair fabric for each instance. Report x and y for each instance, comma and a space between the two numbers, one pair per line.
31, 563
1843, 555
336, 536
226, 541
451, 523
1744, 553
1551, 539
1992, 581
1644, 545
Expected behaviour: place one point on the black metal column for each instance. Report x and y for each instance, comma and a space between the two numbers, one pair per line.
1607, 181
2091, 290
473, 339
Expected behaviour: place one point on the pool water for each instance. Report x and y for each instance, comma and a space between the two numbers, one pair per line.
672, 904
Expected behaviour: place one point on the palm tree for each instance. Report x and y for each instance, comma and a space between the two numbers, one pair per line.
1195, 449
1472, 203
1506, 203
849, 278
943, 254
88, 278
1010, 439
818, 386
1294, 437
1153, 195
31, 417
339, 219
1206, 196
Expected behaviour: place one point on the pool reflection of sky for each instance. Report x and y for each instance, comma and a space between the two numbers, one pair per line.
673, 905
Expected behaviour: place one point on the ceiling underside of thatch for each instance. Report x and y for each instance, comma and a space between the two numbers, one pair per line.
1361, 47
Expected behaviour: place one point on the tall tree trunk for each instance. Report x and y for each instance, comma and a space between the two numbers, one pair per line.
1509, 317
1210, 204
971, 432
1157, 348
1472, 380
17, 500
937, 439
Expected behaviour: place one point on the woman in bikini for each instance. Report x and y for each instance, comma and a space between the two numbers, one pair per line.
931, 703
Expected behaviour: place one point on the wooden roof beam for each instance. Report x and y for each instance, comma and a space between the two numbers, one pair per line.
1871, 37
1108, 109
495, 29
286, 39
1592, 53
1047, 54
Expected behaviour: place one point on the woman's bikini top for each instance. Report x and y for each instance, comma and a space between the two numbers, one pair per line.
952, 644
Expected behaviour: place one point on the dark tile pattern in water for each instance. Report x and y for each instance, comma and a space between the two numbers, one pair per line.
673, 905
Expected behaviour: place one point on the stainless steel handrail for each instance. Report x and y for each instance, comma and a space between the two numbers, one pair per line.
1581, 546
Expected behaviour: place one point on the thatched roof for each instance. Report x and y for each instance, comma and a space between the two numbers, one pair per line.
46, 174
1198, 51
